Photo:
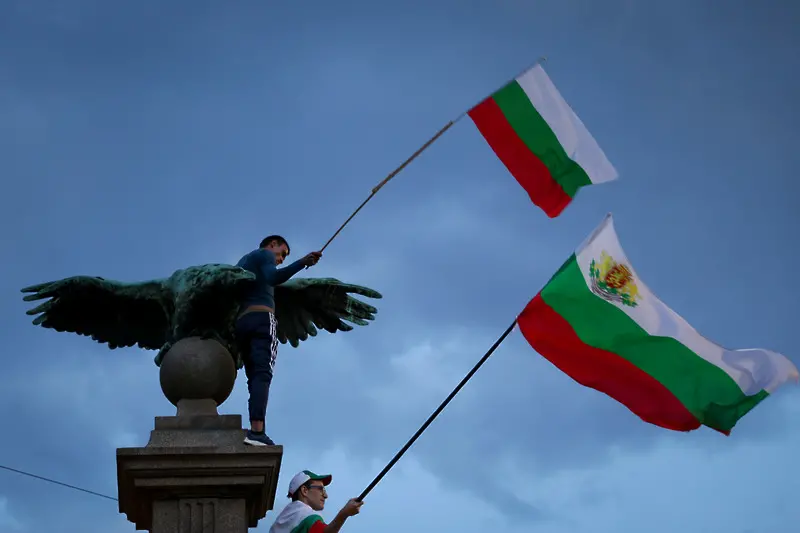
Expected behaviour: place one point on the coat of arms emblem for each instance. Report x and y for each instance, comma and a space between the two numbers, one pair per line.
613, 281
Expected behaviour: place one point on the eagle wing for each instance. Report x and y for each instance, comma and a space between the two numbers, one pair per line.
303, 305
111, 312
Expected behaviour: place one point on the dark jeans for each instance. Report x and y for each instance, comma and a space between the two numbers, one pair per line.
258, 343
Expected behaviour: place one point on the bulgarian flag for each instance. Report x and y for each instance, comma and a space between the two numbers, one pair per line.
598, 322
541, 141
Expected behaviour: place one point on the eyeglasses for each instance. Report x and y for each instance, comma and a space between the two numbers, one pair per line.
320, 487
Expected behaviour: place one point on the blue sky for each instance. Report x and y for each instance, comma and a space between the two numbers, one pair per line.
140, 138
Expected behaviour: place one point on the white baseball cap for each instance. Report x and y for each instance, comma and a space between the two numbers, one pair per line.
301, 477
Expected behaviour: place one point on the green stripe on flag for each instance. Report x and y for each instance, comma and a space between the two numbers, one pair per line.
539, 138
705, 389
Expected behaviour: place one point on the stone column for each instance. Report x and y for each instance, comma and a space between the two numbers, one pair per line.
196, 475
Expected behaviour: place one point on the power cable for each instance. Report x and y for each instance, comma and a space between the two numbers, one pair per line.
73, 487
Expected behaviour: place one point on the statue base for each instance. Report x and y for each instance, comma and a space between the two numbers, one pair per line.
197, 475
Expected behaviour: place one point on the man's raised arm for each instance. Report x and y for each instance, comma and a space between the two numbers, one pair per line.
351, 508
274, 275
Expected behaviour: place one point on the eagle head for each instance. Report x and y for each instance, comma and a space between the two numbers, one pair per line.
233, 277
210, 277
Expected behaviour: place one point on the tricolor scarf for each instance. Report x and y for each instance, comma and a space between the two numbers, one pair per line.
297, 517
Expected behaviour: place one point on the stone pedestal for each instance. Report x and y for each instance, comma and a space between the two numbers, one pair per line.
196, 475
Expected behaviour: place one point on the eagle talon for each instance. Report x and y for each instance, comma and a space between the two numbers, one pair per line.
161, 353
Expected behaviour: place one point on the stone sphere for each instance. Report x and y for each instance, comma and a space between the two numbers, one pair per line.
197, 369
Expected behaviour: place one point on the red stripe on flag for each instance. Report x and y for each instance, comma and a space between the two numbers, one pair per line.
524, 165
554, 338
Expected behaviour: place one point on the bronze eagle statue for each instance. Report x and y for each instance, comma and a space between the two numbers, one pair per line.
196, 301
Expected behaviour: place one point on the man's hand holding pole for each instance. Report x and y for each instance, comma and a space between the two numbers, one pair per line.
351, 508
312, 259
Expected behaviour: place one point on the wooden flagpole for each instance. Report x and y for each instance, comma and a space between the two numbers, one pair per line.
392, 174
421, 149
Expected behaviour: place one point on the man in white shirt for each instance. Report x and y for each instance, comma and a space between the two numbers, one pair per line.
308, 494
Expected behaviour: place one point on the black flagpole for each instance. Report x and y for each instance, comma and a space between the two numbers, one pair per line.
438, 410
